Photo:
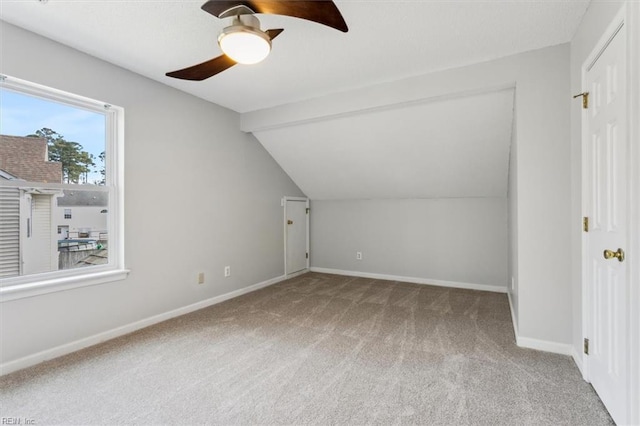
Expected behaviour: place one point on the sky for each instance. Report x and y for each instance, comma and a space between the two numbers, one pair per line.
22, 115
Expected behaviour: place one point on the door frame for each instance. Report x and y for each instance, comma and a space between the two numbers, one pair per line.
627, 19
284, 222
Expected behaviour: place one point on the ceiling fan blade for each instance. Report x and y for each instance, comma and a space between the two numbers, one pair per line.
274, 33
204, 70
321, 11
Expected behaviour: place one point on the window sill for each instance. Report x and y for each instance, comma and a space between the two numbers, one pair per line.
37, 288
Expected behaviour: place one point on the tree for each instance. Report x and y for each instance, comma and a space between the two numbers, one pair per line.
103, 169
76, 163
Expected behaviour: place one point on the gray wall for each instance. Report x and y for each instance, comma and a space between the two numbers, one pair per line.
190, 174
459, 239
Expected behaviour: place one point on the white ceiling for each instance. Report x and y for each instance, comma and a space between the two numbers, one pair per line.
458, 147
388, 40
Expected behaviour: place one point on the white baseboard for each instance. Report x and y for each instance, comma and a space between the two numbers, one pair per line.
540, 345
68, 348
296, 274
544, 345
514, 320
577, 358
414, 280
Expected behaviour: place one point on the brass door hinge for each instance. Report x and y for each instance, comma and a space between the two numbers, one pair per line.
585, 99
586, 346
585, 224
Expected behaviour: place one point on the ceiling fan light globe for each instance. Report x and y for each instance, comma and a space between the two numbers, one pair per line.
245, 45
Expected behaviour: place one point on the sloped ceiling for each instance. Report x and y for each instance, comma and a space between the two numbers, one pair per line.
456, 147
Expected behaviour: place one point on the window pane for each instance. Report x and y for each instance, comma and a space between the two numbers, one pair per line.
50, 142
84, 237
54, 202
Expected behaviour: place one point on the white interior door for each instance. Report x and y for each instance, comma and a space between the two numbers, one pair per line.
296, 235
607, 208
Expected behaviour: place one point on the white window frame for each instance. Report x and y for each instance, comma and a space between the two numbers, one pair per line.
36, 284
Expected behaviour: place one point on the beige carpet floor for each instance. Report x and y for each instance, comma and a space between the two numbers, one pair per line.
316, 349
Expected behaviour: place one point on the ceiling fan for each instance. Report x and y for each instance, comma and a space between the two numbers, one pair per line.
242, 41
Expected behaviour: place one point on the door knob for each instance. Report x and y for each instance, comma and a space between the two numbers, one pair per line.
608, 254
289, 222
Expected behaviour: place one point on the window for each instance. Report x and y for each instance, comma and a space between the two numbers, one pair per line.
59, 153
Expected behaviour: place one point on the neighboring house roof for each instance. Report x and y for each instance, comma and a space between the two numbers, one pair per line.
7, 176
26, 158
78, 198
98, 258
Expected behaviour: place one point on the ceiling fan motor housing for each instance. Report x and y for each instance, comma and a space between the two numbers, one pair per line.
244, 21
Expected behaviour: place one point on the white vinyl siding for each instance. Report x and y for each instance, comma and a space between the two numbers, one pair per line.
9, 232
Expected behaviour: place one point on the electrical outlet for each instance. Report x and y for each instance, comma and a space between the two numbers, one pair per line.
227, 271
358, 255
201, 278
